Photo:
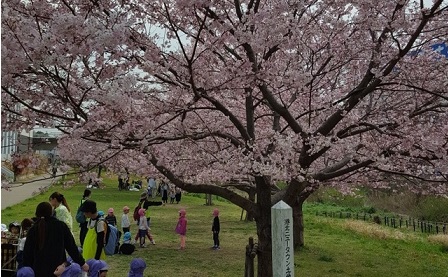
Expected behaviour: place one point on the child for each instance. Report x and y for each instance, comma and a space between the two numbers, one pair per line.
25, 271
181, 228
25, 226
110, 218
97, 268
138, 265
127, 248
172, 195
215, 229
14, 232
145, 203
142, 227
125, 223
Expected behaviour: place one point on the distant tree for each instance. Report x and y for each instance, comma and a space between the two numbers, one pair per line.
228, 96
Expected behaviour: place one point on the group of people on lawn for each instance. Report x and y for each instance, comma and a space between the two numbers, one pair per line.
47, 240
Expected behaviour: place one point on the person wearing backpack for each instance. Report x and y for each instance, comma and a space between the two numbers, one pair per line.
93, 246
81, 218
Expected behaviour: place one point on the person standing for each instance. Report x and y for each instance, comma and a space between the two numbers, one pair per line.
216, 227
172, 195
93, 247
111, 218
152, 186
125, 222
61, 209
181, 228
178, 194
164, 192
83, 226
142, 227
145, 203
47, 242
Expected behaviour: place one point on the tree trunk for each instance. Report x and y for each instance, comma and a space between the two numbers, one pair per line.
298, 227
208, 199
297, 215
252, 193
100, 167
263, 220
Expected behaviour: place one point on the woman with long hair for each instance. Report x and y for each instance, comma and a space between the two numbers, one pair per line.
61, 209
47, 242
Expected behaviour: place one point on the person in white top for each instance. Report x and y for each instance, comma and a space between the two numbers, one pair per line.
125, 223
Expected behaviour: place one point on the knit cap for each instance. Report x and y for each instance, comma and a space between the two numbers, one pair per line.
138, 265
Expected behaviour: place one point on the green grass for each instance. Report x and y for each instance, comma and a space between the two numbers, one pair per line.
334, 247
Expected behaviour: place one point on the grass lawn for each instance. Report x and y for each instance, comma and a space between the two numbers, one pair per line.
334, 247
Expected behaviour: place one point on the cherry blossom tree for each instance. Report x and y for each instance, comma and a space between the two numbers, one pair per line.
274, 97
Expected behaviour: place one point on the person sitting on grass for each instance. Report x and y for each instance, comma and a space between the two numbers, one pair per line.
25, 271
137, 265
127, 248
97, 268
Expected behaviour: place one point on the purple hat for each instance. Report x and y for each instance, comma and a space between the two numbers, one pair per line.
72, 270
95, 266
138, 265
25, 272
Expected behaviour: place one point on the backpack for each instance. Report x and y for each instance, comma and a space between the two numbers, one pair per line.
80, 217
136, 215
112, 238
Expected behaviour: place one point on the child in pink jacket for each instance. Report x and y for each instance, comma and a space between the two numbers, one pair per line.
181, 228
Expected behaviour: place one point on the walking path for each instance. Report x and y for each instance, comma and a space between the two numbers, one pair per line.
20, 191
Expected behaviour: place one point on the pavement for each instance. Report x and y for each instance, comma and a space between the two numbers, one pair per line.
20, 191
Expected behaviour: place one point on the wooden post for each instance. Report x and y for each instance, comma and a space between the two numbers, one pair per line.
208, 199
282, 240
250, 255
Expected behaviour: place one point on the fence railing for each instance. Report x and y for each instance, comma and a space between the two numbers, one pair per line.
393, 221
7, 173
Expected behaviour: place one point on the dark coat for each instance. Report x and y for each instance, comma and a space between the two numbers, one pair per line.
216, 227
58, 239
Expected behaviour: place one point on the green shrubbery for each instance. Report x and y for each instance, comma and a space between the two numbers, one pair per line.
430, 208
